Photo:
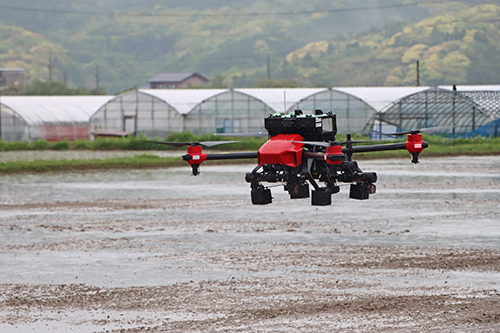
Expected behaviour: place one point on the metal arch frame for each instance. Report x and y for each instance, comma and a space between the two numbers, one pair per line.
460, 119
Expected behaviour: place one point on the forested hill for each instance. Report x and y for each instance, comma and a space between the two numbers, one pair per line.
315, 42
454, 48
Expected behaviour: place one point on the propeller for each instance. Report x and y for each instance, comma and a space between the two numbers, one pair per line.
252, 134
202, 143
428, 130
328, 144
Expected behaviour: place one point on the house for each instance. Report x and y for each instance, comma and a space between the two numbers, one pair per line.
177, 80
11, 80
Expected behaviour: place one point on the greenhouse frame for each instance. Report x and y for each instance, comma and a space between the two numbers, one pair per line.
462, 112
151, 112
156, 113
53, 118
159, 112
354, 107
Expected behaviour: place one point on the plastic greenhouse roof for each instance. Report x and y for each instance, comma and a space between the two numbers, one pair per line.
473, 88
39, 110
183, 100
274, 97
486, 96
380, 98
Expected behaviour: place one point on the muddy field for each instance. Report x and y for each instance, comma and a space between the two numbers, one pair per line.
160, 250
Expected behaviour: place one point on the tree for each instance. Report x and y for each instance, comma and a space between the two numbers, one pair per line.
218, 82
55, 88
268, 83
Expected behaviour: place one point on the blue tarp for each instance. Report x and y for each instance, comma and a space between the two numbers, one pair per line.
489, 129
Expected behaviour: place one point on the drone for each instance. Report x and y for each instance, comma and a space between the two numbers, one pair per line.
302, 151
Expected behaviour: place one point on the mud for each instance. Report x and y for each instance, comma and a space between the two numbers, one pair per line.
162, 251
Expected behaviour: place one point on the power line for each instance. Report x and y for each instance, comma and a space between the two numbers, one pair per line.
306, 12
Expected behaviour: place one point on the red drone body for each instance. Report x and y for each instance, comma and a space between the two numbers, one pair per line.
281, 149
302, 151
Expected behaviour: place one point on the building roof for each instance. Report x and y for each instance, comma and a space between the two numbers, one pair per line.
275, 97
379, 98
183, 100
473, 88
175, 77
39, 110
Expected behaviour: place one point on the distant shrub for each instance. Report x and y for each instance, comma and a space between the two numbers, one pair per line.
60, 145
80, 144
16, 145
180, 137
40, 144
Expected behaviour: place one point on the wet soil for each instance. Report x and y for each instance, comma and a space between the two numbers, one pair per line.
141, 252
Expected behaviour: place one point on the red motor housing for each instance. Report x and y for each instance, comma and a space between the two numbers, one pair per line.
334, 155
281, 149
414, 144
197, 156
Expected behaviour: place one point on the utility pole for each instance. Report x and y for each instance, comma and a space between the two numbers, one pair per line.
50, 65
418, 73
97, 79
269, 67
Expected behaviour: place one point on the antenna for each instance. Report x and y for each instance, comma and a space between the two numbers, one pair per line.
50, 65
284, 101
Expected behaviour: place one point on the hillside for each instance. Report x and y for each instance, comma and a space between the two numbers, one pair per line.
318, 42
455, 48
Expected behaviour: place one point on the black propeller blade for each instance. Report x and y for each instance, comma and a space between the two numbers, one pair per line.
328, 144
202, 143
428, 130
251, 135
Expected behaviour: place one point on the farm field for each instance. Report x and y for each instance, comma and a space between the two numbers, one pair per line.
159, 250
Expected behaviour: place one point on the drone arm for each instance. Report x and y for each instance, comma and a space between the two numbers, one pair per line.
231, 156
365, 149
195, 157
414, 145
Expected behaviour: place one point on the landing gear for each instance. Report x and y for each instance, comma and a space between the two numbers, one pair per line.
361, 191
298, 191
321, 197
261, 196
297, 181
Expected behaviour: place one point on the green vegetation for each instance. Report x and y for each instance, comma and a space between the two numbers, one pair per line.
438, 146
131, 143
53, 88
136, 162
456, 47
312, 43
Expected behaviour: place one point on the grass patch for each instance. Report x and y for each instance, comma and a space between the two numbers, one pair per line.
140, 161
131, 143
438, 146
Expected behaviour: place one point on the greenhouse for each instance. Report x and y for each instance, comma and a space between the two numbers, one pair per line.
462, 112
53, 118
152, 112
159, 112
241, 110
354, 107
